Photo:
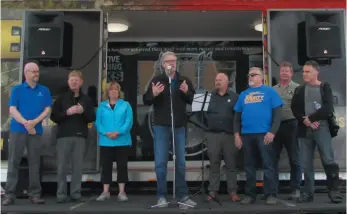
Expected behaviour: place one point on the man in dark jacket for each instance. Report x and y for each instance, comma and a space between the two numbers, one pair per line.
312, 104
72, 111
220, 121
158, 95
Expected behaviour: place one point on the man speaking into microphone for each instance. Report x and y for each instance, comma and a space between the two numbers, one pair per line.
158, 95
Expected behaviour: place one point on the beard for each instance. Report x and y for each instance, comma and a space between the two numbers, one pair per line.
250, 83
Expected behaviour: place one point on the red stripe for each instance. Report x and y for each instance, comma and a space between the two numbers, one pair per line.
245, 4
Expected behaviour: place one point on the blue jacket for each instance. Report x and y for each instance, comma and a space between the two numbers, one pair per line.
118, 120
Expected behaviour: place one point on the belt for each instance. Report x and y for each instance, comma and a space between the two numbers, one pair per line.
288, 120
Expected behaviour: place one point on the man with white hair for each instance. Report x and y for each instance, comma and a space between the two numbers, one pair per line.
30, 103
158, 95
257, 118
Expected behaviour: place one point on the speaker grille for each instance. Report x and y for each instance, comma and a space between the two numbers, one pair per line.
45, 42
324, 41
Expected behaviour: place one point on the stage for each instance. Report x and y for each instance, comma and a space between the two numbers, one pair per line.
141, 204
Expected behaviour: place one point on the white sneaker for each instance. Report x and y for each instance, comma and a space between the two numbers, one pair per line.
188, 203
162, 203
103, 197
122, 197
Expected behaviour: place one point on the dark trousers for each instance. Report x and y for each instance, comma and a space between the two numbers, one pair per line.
286, 137
252, 142
108, 155
162, 145
222, 145
70, 149
16, 146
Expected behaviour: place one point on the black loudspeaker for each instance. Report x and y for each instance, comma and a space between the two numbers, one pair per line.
323, 34
44, 34
48, 37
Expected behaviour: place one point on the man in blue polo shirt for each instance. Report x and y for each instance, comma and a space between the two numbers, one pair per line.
29, 104
258, 114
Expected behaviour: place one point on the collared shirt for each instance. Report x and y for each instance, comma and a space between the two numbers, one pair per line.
286, 94
220, 114
30, 102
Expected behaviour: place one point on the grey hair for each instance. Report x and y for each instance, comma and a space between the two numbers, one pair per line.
257, 69
168, 53
313, 63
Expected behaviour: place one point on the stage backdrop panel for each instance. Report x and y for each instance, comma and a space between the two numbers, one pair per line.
134, 66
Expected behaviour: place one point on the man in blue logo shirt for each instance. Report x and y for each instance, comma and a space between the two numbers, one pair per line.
29, 105
257, 119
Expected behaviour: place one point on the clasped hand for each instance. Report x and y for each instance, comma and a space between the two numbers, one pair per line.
308, 123
30, 126
76, 109
112, 135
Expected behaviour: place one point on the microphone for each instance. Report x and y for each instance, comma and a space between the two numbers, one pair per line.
168, 72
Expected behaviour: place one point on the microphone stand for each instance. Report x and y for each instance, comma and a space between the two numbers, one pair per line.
202, 188
174, 200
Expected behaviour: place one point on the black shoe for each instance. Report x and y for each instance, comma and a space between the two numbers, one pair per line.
333, 179
335, 197
62, 200
305, 198
248, 200
77, 199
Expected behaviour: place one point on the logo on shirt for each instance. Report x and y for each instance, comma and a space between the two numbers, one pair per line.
254, 97
39, 94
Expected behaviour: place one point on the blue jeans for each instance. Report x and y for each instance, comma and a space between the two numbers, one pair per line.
162, 140
322, 139
286, 137
252, 144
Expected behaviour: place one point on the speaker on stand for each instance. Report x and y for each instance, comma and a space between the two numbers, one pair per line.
319, 37
48, 38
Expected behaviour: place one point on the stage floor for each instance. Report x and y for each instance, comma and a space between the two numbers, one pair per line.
142, 203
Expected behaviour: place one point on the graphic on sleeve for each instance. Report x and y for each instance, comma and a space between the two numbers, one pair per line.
254, 97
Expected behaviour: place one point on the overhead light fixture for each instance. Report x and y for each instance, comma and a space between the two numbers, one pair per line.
117, 27
259, 27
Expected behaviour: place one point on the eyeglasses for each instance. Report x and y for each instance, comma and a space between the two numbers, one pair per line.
170, 61
252, 75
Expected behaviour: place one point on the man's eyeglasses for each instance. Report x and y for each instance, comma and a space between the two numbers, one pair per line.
252, 75
170, 61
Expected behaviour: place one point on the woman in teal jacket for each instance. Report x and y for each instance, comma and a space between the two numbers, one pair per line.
114, 119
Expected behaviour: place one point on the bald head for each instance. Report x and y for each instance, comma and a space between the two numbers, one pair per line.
222, 82
31, 67
31, 72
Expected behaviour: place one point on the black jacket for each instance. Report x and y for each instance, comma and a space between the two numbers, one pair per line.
161, 103
74, 125
298, 107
